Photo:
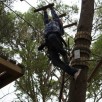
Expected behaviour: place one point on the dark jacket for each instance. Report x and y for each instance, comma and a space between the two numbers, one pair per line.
52, 27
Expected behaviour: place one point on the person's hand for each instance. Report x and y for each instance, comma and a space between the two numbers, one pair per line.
45, 9
50, 6
41, 47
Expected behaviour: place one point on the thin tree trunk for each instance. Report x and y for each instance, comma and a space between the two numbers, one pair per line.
77, 91
62, 86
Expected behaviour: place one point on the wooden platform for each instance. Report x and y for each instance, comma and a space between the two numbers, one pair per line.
9, 72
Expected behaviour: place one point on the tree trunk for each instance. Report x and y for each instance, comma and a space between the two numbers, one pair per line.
77, 91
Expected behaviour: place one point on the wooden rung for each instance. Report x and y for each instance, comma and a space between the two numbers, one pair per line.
6, 65
9, 72
62, 15
66, 26
44, 7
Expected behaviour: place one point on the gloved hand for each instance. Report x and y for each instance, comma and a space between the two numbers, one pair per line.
41, 47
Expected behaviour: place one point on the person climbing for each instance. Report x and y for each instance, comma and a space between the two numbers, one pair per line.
55, 43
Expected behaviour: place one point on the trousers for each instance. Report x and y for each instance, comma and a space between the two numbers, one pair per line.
55, 49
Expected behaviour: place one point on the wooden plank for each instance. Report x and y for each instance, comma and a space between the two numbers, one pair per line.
95, 70
62, 15
9, 71
8, 66
44, 7
66, 26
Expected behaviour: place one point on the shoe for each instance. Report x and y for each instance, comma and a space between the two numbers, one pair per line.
77, 74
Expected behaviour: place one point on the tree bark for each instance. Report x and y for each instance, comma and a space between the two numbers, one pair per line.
77, 91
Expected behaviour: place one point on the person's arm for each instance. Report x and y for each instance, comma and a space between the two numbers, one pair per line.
54, 14
46, 19
56, 18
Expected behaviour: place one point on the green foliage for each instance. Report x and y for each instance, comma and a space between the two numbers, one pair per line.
97, 47
99, 15
95, 87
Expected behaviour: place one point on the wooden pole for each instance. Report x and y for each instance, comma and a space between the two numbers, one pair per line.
77, 91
